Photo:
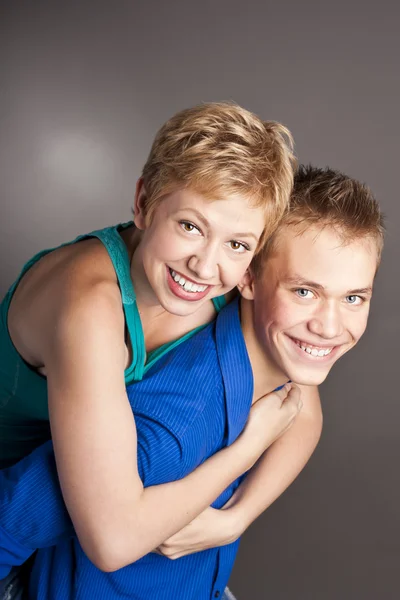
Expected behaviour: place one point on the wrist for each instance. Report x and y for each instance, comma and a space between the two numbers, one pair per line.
249, 450
233, 523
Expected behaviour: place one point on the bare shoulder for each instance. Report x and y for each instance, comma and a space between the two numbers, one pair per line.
79, 278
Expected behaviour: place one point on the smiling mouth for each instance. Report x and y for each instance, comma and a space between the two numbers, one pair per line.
315, 351
187, 284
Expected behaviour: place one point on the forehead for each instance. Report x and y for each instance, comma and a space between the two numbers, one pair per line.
319, 254
223, 212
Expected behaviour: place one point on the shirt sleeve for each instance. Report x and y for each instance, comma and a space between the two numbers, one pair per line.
32, 510
160, 452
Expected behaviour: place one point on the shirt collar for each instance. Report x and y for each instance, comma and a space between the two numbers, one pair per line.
235, 367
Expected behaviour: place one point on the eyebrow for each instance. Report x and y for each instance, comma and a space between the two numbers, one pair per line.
300, 281
207, 225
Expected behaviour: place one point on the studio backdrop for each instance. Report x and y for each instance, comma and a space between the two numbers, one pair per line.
84, 87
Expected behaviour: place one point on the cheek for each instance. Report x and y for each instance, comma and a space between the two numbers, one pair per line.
358, 329
267, 320
233, 272
355, 323
165, 245
283, 316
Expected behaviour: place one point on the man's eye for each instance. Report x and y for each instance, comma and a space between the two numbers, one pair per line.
188, 227
303, 293
354, 300
238, 247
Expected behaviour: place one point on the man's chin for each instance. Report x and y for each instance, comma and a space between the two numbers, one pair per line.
311, 378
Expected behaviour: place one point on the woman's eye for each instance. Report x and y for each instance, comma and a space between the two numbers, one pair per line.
303, 293
238, 247
354, 300
188, 227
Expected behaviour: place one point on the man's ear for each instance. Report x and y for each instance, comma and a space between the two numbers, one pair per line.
139, 215
246, 285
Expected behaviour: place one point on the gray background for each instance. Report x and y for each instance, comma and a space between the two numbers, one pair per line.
84, 87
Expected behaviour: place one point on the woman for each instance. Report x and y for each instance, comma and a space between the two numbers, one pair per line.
75, 331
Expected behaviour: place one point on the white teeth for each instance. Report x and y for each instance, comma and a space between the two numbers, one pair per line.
314, 351
188, 286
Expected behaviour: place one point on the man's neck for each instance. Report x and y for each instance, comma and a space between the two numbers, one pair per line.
267, 376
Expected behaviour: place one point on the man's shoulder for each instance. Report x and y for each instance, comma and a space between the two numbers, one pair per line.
183, 387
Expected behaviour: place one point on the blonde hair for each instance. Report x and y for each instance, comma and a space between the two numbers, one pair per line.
221, 149
328, 198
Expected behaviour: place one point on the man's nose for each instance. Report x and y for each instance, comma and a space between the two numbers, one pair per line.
327, 322
205, 263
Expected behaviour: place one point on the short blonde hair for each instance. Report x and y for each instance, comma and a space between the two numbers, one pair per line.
328, 198
221, 149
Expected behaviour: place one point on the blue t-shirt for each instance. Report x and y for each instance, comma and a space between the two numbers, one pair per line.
190, 404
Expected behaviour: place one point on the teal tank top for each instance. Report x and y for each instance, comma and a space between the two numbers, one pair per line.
24, 418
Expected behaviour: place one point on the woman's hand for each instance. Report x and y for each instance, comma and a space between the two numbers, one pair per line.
271, 416
210, 529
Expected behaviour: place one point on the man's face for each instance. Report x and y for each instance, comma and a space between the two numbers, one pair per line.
312, 300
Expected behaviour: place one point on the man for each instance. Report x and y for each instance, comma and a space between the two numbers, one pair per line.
304, 303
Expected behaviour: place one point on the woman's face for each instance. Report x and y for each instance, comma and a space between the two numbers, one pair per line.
195, 249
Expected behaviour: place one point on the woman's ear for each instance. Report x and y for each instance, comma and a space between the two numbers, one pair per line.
246, 285
139, 213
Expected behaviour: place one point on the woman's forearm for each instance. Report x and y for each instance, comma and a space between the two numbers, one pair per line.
162, 510
137, 519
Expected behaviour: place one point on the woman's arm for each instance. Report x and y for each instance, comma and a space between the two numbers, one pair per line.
268, 479
32, 510
118, 521
26, 524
